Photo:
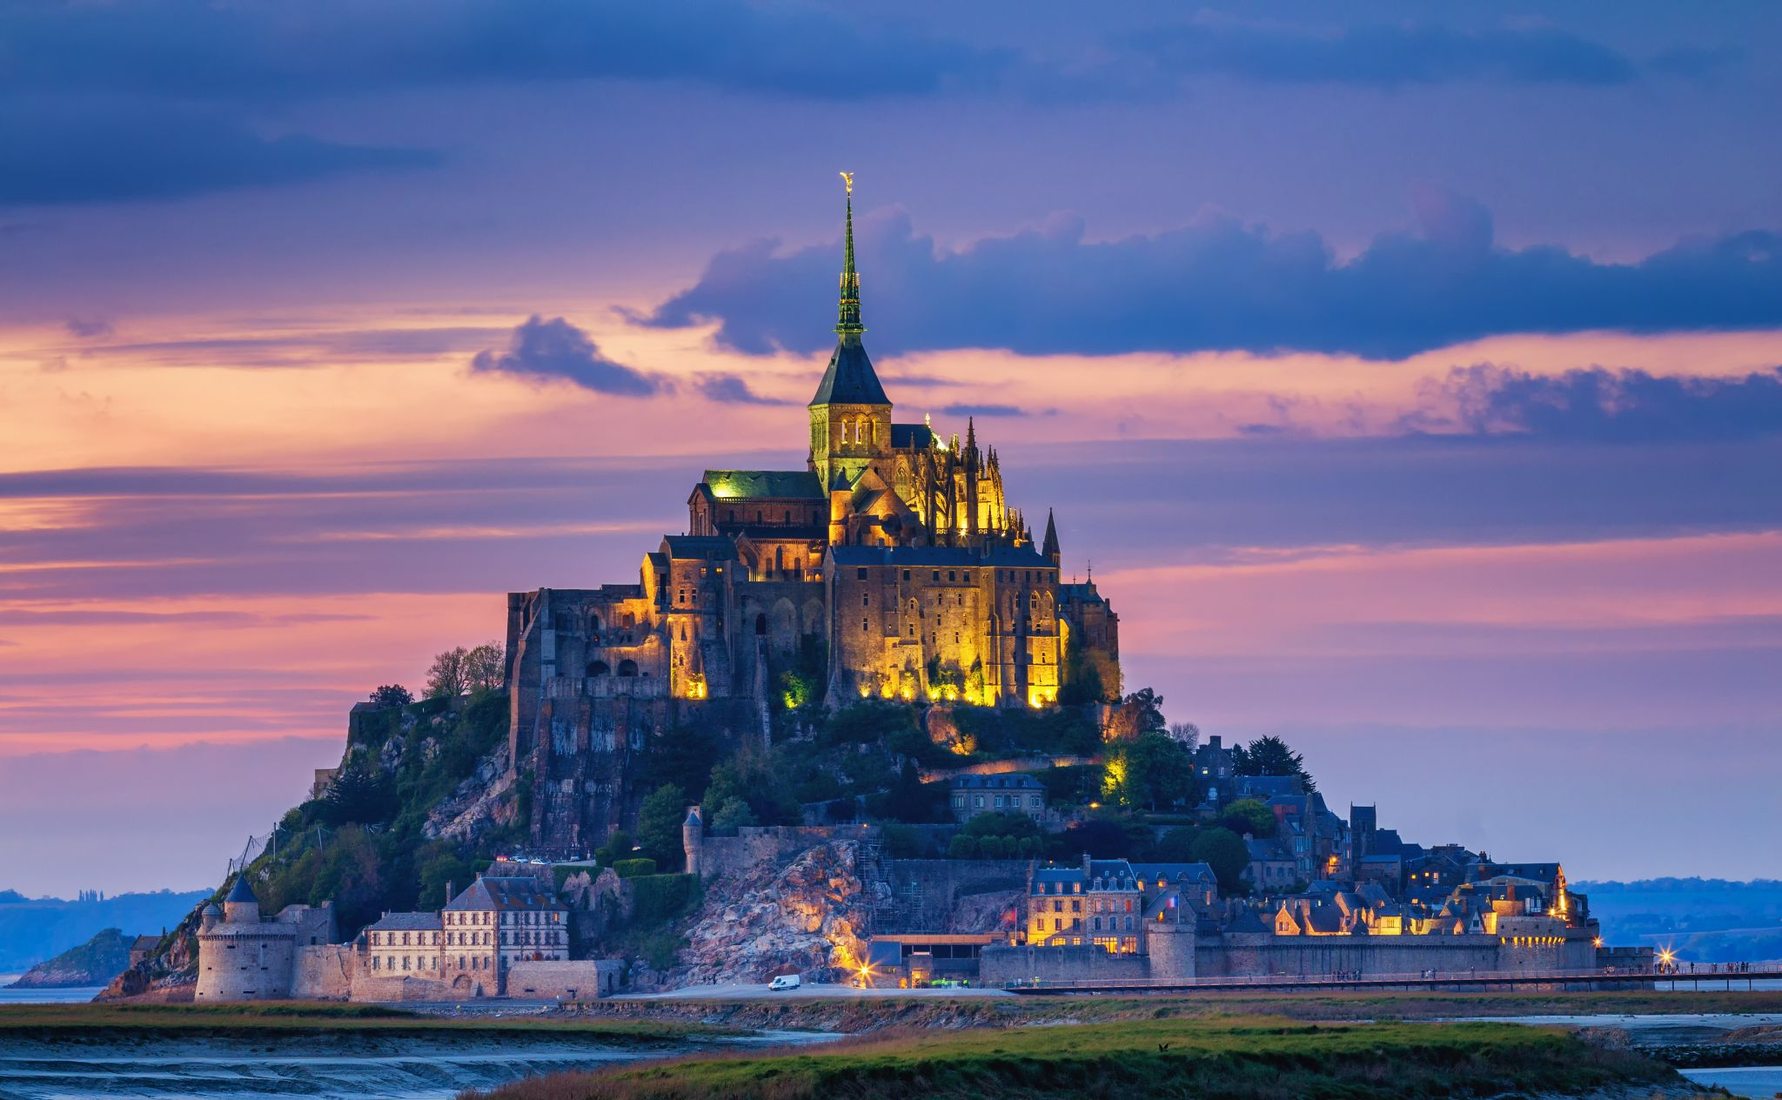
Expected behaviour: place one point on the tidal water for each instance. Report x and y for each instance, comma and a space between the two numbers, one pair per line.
337, 1066
1754, 1082
71, 995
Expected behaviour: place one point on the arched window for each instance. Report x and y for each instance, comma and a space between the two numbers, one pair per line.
627, 667
761, 624
598, 668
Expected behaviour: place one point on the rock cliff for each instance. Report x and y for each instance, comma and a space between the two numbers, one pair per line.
809, 915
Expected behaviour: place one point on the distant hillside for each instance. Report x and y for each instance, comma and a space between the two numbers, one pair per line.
95, 962
1704, 920
35, 929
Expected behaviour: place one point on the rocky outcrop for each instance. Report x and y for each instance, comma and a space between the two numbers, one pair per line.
808, 916
483, 801
95, 962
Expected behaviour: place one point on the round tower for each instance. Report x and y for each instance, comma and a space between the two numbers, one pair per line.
692, 840
241, 906
209, 916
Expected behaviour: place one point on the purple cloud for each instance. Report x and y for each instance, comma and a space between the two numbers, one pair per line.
1219, 284
557, 351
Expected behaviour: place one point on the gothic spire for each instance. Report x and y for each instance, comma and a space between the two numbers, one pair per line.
1050, 547
848, 310
850, 379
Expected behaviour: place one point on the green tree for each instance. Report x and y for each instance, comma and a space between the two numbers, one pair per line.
1271, 756
392, 695
1225, 852
1002, 824
1176, 845
618, 846
1153, 770
731, 815
659, 824
1149, 707
1247, 815
359, 793
448, 676
485, 667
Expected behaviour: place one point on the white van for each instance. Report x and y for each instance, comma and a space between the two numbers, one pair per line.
784, 981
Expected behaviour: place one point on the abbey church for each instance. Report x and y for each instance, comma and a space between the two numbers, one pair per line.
892, 565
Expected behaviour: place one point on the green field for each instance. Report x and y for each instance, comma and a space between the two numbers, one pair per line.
1249, 1058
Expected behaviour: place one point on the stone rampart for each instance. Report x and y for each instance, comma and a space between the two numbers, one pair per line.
324, 972
406, 988
1003, 965
564, 980
1258, 954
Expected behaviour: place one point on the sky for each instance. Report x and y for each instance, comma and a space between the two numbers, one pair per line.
1409, 377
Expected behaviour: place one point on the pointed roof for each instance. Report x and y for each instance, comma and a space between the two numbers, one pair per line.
1050, 549
241, 891
849, 379
693, 818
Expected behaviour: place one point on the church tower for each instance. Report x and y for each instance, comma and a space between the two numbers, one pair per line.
850, 414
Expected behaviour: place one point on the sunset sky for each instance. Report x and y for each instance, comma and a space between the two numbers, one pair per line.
1412, 378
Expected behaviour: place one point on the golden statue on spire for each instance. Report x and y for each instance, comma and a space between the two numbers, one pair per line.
848, 182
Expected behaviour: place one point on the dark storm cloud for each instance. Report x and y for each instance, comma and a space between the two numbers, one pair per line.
557, 351
59, 152
1392, 55
1219, 284
733, 389
1611, 406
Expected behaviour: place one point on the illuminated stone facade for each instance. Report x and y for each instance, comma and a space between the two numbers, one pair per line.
891, 565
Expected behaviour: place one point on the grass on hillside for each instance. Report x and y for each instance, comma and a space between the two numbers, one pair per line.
316, 1016
1223, 1059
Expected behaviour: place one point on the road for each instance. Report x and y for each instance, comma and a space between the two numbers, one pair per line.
749, 992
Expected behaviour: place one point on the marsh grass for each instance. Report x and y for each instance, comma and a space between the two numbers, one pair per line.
1216, 1059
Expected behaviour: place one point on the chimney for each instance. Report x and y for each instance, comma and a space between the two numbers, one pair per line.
450, 891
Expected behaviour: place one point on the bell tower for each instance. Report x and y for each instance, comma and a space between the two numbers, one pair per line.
850, 414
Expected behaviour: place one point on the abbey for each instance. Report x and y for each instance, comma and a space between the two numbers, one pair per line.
892, 566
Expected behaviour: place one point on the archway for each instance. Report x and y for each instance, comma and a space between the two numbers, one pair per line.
598, 668
627, 667
760, 625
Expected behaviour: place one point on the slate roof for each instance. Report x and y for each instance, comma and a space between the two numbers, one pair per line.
706, 547
407, 922
849, 379
906, 437
241, 892
1174, 872
763, 484
519, 892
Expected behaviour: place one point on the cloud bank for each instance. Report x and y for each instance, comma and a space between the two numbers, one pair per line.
1219, 284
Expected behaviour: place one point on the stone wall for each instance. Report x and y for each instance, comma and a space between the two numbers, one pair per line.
564, 980
722, 856
951, 895
406, 988
1002, 965
1256, 954
324, 972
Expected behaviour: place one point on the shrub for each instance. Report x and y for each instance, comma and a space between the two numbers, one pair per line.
963, 847
634, 868
662, 897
